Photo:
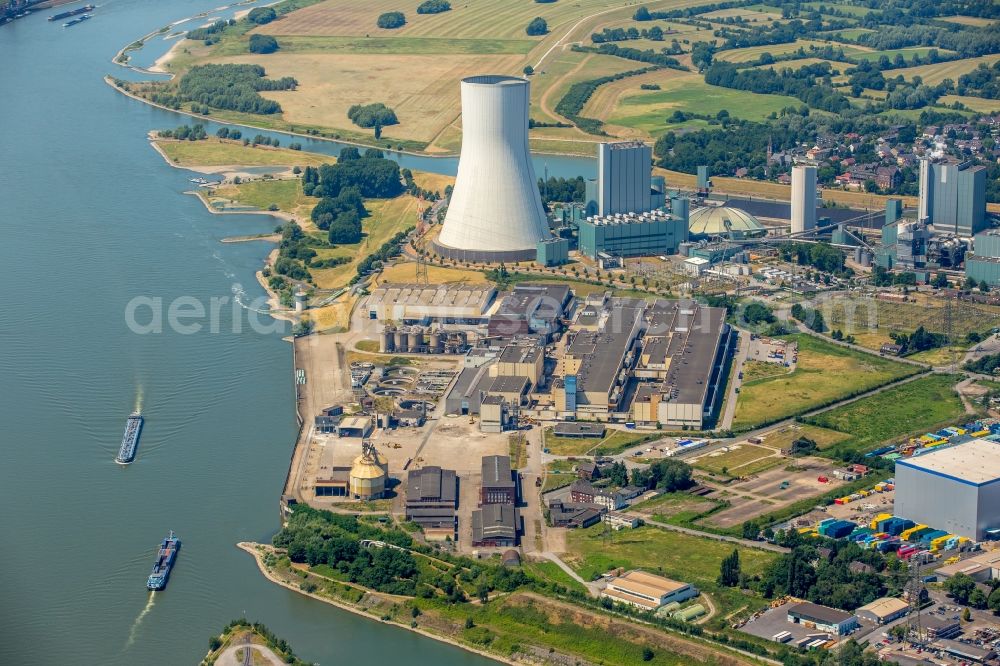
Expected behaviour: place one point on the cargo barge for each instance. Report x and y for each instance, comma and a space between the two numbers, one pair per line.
78, 19
72, 12
130, 440
165, 558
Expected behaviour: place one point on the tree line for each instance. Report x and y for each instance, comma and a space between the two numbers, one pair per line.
811, 83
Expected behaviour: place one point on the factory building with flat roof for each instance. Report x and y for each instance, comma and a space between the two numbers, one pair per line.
462, 304
647, 591
955, 488
674, 350
632, 234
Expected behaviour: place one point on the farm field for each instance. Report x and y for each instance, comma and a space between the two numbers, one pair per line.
750, 14
907, 53
754, 52
215, 152
422, 89
969, 20
802, 62
465, 19
978, 104
854, 10
824, 373
648, 111
850, 33
939, 71
913, 408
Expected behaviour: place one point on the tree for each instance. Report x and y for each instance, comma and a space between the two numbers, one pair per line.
959, 587
647, 653
391, 20
262, 15
528, 70
618, 474
977, 598
966, 615
263, 44
537, 27
729, 570
346, 228
993, 602
940, 281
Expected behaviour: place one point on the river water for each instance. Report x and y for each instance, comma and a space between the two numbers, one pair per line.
92, 219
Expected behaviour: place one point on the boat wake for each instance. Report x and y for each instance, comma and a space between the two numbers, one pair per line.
142, 614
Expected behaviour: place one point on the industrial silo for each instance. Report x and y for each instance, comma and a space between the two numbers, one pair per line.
388, 340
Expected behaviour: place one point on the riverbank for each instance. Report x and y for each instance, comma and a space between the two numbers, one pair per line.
258, 551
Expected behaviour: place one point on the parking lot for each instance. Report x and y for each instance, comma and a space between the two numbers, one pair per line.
771, 490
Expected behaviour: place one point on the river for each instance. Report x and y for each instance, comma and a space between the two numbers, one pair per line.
91, 220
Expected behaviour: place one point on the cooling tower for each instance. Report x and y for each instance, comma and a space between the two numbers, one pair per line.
495, 213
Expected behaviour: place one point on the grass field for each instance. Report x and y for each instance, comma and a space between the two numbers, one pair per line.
406, 271
215, 152
914, 407
938, 72
783, 437
674, 507
692, 559
648, 111
285, 194
387, 217
550, 571
825, 372
753, 370
614, 441
851, 33
731, 462
858, 315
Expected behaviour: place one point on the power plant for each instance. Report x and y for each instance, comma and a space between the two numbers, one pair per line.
496, 212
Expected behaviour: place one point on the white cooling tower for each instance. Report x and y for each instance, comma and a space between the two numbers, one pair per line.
495, 211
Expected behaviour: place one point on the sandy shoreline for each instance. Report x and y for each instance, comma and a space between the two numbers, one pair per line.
251, 548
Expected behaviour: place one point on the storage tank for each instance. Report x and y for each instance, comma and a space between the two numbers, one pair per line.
388, 341
402, 340
369, 473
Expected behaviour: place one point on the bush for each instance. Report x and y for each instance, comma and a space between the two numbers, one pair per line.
262, 15
391, 20
263, 44
537, 27
372, 115
433, 6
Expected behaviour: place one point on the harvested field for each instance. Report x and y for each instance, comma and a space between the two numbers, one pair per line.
732, 460
423, 90
977, 104
939, 71
755, 52
969, 20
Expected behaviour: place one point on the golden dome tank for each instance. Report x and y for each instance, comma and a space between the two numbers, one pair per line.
369, 473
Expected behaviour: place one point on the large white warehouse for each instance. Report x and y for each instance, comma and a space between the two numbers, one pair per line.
956, 488
495, 213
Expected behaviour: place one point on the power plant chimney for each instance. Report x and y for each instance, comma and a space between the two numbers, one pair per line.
495, 212
803, 198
